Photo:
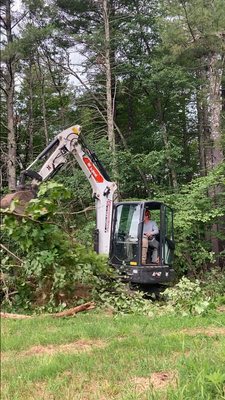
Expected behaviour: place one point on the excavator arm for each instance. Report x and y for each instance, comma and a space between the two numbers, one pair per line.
103, 189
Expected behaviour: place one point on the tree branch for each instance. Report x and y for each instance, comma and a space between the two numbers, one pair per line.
188, 23
20, 19
70, 70
11, 253
77, 212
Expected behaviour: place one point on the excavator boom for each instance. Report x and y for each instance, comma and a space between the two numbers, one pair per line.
67, 142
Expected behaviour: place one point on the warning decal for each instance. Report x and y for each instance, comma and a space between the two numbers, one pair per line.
93, 170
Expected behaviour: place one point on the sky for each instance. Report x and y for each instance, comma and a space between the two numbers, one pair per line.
17, 5
75, 57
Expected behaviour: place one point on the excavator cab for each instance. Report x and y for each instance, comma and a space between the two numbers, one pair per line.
128, 242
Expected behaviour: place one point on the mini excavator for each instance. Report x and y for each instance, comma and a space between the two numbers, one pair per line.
119, 225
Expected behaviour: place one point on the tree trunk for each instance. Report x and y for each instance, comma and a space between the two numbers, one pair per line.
215, 155
130, 108
11, 138
203, 118
109, 103
169, 159
187, 158
44, 113
201, 137
30, 116
223, 96
201, 111
10, 88
163, 128
209, 106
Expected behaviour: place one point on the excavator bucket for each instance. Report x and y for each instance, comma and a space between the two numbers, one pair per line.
22, 196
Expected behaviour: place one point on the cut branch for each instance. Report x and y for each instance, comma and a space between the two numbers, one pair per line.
14, 316
71, 311
11, 253
66, 313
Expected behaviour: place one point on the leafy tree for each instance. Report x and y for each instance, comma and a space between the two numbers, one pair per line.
194, 31
10, 58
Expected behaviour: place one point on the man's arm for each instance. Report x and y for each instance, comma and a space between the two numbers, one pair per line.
155, 229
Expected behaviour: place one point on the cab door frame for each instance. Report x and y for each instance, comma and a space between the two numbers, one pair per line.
167, 242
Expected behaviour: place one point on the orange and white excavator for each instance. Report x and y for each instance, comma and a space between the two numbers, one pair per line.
119, 226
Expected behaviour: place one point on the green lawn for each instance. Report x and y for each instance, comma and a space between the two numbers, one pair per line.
100, 357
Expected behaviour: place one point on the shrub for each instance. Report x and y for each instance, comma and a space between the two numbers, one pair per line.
187, 297
52, 259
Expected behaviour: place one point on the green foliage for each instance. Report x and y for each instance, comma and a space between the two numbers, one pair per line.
187, 297
195, 215
32, 38
213, 284
53, 261
195, 25
196, 297
117, 297
216, 381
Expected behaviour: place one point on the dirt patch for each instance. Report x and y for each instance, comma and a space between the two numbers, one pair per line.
141, 384
4, 357
82, 388
156, 381
74, 347
221, 309
161, 380
210, 331
96, 390
39, 391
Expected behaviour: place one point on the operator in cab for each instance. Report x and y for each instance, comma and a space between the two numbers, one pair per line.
150, 229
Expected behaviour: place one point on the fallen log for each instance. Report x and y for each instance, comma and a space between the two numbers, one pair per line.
66, 313
14, 316
71, 311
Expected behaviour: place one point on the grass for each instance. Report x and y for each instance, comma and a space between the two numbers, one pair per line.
99, 357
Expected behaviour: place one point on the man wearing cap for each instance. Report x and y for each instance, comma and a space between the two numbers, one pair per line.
150, 229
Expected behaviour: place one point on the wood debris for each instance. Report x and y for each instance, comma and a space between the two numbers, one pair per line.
66, 313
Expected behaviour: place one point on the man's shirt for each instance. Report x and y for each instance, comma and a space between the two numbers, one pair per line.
150, 227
